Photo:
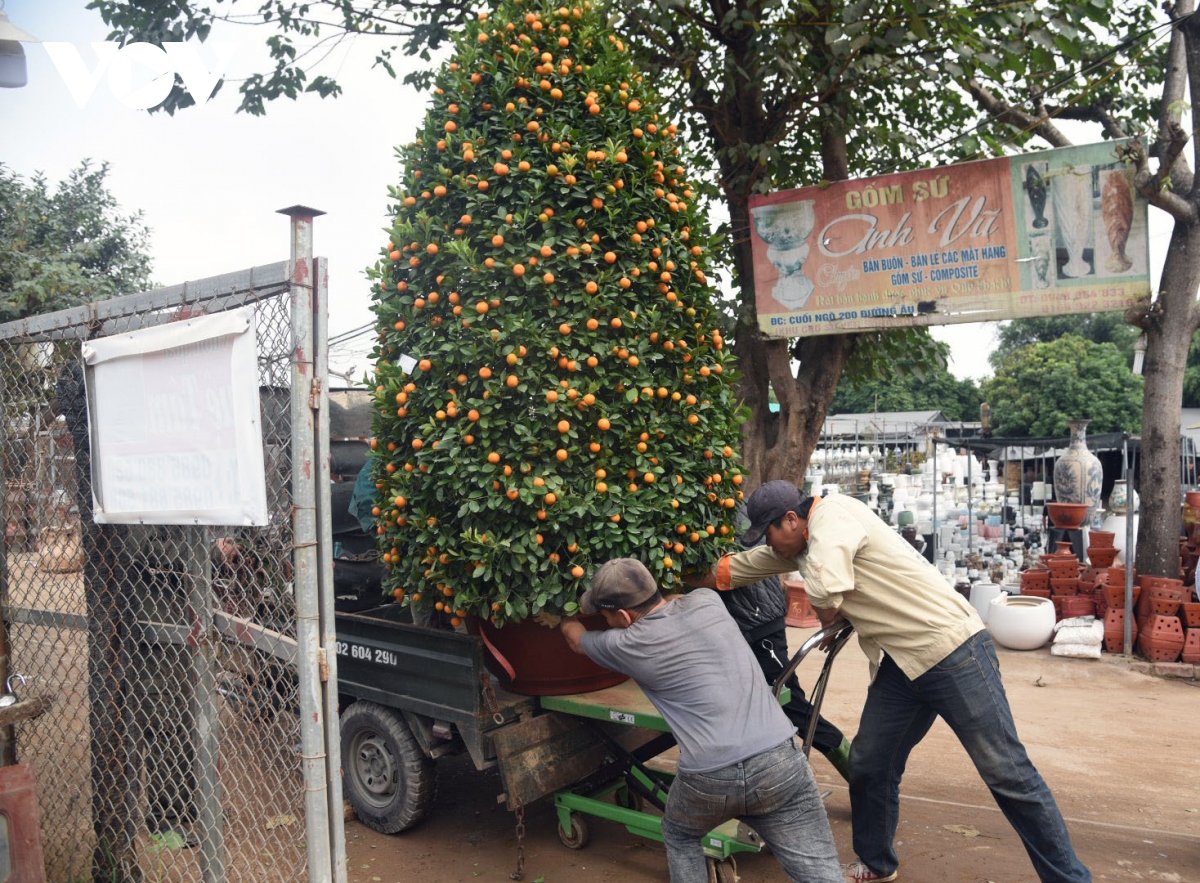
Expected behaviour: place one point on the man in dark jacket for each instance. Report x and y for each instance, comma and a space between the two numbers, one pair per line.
760, 611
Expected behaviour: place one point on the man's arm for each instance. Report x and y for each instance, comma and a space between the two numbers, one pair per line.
741, 569
573, 631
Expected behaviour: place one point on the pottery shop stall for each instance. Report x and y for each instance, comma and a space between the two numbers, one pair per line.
1032, 473
871, 455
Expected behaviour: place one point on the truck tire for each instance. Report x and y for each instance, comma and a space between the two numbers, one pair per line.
388, 779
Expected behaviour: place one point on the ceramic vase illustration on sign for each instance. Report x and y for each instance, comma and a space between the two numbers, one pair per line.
1116, 210
1071, 189
1078, 476
1035, 189
785, 228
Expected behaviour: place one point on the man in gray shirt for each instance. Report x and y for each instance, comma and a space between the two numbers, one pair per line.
737, 753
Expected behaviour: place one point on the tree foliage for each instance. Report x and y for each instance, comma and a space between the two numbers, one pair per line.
65, 246
933, 390
1039, 388
573, 399
776, 95
1096, 327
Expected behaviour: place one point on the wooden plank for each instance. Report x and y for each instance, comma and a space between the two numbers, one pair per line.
547, 753
23, 710
622, 704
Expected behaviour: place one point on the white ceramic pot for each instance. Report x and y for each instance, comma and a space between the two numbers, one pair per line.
982, 595
1116, 524
1021, 622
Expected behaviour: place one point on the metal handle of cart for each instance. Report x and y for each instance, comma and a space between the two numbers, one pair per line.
836, 635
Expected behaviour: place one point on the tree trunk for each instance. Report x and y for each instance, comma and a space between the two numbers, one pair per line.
779, 444
1173, 317
1169, 326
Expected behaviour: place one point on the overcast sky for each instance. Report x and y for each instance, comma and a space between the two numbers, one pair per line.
209, 181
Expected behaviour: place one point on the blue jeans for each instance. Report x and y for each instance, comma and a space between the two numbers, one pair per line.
965, 690
774, 792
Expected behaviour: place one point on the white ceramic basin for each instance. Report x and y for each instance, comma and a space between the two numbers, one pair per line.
1021, 622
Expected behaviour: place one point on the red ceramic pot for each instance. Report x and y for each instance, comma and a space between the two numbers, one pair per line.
1189, 613
1102, 538
533, 660
1061, 568
1068, 516
1035, 579
1191, 647
1159, 649
1078, 605
1064, 586
1102, 556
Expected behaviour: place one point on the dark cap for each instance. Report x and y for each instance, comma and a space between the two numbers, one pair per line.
620, 584
769, 503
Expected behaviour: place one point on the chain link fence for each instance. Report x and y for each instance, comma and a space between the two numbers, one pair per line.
173, 748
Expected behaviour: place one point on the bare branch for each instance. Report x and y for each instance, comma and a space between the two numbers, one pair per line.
1092, 113
1157, 187
1001, 110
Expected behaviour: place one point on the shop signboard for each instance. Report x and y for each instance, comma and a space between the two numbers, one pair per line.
1046, 233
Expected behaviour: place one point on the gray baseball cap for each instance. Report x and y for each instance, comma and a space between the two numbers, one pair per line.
769, 503
620, 584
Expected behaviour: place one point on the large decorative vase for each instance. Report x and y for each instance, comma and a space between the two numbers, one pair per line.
534, 660
1119, 496
1078, 476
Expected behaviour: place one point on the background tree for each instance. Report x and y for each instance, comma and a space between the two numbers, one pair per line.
1096, 327
67, 246
1171, 316
1039, 387
775, 95
935, 389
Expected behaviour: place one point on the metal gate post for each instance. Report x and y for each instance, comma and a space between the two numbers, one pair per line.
333, 738
207, 745
306, 394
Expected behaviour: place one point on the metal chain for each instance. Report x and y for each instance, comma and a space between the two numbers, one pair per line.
520, 871
490, 703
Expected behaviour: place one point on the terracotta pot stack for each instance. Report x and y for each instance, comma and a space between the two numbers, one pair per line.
1036, 581
1114, 630
1065, 583
1110, 607
1102, 553
1189, 616
1161, 636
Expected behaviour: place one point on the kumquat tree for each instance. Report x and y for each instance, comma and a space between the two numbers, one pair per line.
569, 398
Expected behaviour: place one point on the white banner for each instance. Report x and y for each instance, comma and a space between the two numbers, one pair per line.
175, 429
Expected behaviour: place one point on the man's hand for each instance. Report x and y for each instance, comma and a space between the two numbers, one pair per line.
828, 616
573, 630
549, 620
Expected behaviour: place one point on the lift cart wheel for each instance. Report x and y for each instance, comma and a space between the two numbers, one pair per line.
722, 871
388, 779
577, 837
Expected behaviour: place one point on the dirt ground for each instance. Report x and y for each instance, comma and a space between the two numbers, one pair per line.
1119, 748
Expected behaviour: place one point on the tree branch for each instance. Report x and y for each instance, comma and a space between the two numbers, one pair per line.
1002, 111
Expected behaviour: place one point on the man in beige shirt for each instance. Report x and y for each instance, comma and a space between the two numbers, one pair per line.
930, 656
